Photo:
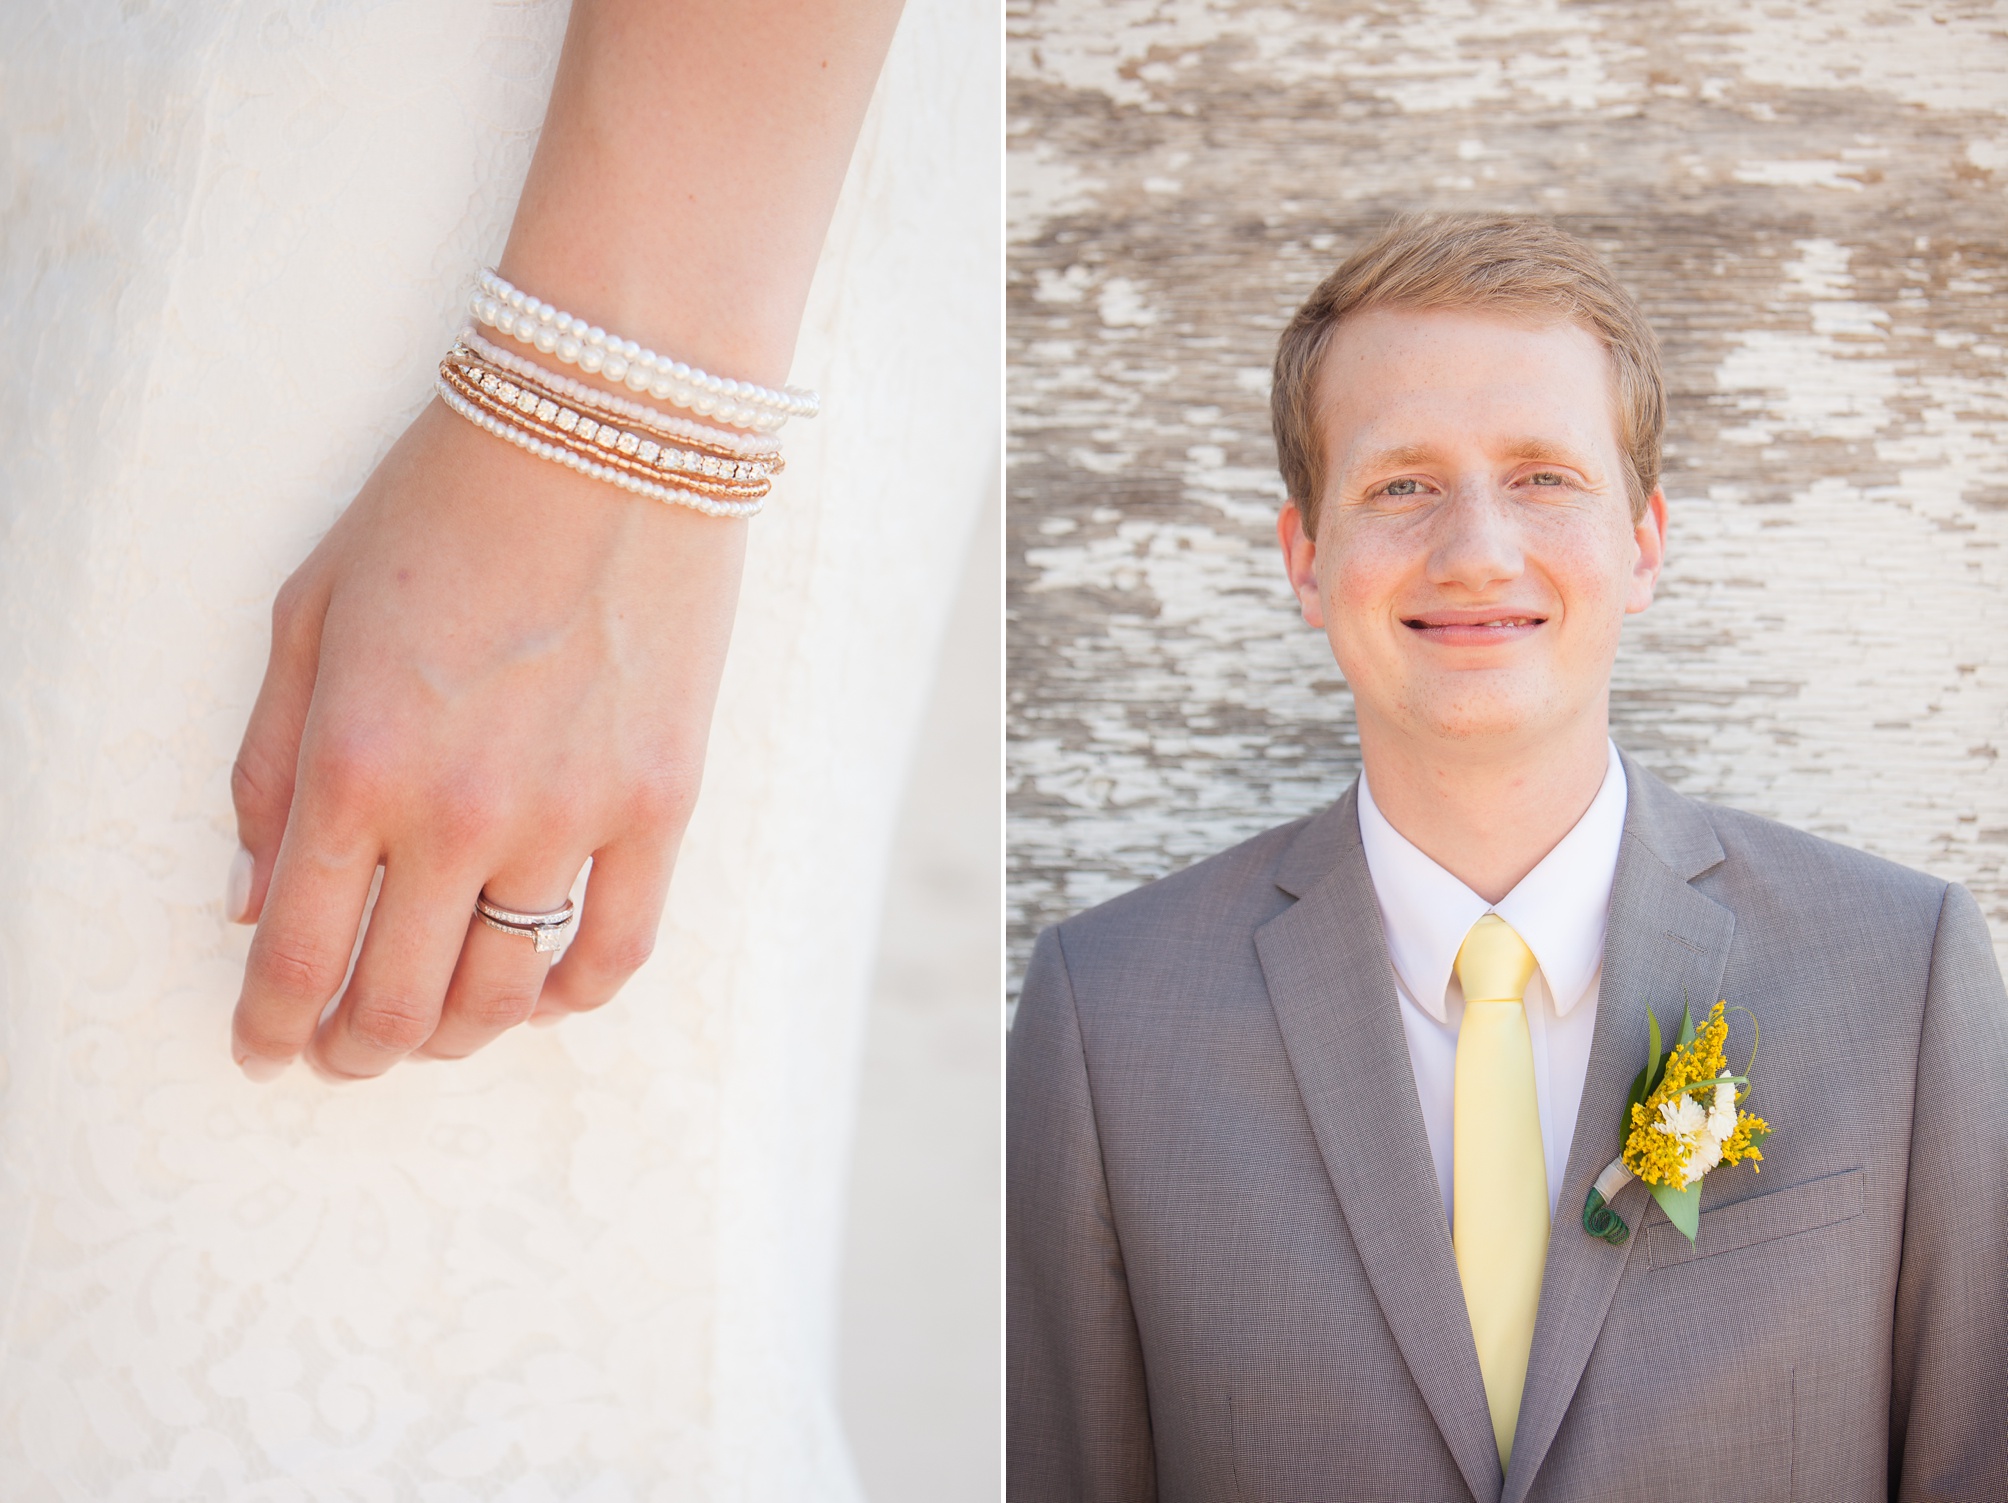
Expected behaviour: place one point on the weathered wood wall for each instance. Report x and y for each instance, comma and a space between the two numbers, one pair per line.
1808, 198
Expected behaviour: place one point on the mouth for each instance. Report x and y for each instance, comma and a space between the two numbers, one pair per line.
1474, 628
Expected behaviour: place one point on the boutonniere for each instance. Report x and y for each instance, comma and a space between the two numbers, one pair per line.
1682, 1118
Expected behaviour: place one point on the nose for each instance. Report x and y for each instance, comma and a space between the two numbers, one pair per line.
1475, 544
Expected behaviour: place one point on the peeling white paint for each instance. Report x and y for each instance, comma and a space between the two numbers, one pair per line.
1943, 57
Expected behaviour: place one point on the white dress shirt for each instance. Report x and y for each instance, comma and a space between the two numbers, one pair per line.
1559, 909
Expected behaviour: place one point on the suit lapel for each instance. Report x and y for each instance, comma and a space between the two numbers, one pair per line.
1331, 984
1665, 943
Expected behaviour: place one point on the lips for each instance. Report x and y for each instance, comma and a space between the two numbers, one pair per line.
1474, 628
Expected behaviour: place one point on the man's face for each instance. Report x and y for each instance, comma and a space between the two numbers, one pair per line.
1475, 554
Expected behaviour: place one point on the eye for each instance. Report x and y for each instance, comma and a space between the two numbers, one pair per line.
1546, 477
1405, 487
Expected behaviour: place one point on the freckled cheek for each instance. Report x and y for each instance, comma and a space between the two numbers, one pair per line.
1360, 588
1360, 616
1588, 574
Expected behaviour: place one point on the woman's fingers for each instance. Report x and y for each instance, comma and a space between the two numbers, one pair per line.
497, 982
617, 926
445, 700
393, 1001
261, 781
307, 931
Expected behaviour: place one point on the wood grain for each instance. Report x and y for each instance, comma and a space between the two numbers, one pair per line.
1808, 199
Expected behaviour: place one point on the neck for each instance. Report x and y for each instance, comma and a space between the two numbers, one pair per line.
1486, 811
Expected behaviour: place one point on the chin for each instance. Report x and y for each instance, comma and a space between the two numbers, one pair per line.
1489, 717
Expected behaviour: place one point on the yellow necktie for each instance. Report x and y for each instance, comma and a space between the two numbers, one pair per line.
1500, 1180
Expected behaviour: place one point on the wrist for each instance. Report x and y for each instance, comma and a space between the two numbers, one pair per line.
620, 360
721, 319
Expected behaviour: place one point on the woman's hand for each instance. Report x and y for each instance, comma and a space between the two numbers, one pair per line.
491, 669
494, 667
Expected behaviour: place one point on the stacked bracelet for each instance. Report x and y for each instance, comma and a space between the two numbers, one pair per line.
659, 439
611, 476
601, 433
540, 421
599, 399
741, 404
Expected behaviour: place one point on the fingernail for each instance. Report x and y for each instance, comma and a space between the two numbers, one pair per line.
237, 887
259, 1069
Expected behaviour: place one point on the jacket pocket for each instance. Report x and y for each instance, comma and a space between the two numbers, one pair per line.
1782, 1213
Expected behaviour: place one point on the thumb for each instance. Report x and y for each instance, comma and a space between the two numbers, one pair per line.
261, 781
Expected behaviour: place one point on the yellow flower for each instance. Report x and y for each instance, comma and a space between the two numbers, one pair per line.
1675, 1138
1737, 1146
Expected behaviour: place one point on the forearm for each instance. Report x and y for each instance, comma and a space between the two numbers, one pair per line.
688, 167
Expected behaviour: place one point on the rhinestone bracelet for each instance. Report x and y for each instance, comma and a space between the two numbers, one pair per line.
612, 459
543, 450
742, 404
598, 398
592, 421
547, 425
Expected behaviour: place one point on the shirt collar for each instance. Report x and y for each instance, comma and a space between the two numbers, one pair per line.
1560, 908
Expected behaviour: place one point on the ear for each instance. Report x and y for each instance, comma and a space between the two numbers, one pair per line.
1650, 536
1300, 562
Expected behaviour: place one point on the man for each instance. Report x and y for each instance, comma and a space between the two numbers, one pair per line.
1301, 1138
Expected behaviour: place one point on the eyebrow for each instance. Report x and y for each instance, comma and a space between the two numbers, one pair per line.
1527, 450
1544, 451
1398, 457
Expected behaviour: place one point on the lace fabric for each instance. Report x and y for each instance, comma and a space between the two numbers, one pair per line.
595, 1263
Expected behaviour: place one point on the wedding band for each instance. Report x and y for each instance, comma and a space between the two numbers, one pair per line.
522, 920
546, 930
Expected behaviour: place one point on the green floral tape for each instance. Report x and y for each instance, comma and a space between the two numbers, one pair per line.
1599, 1220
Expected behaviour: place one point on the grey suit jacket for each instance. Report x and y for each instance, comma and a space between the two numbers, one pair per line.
1229, 1271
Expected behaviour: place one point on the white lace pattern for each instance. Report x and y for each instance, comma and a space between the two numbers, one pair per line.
592, 1264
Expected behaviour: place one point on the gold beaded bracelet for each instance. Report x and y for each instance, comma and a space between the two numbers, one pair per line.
589, 418
538, 413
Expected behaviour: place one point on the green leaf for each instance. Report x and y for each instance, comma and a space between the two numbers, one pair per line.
1640, 1088
1710, 1082
1686, 1022
1754, 1034
1652, 1047
1682, 1207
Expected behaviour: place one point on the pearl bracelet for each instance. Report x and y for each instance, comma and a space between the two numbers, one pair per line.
543, 420
599, 398
741, 404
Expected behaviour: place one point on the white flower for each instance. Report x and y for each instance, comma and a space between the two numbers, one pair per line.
1682, 1117
1700, 1144
1702, 1155
1722, 1115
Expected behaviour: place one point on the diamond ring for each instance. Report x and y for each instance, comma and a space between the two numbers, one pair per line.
547, 930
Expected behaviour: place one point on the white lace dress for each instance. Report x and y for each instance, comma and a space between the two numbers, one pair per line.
594, 1263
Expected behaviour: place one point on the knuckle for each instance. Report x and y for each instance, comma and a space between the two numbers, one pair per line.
289, 608
587, 997
285, 610
297, 969
626, 953
352, 770
502, 1006
391, 1022
253, 789
663, 797
467, 812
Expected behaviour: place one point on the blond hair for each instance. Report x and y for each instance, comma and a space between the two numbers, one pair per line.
1495, 263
